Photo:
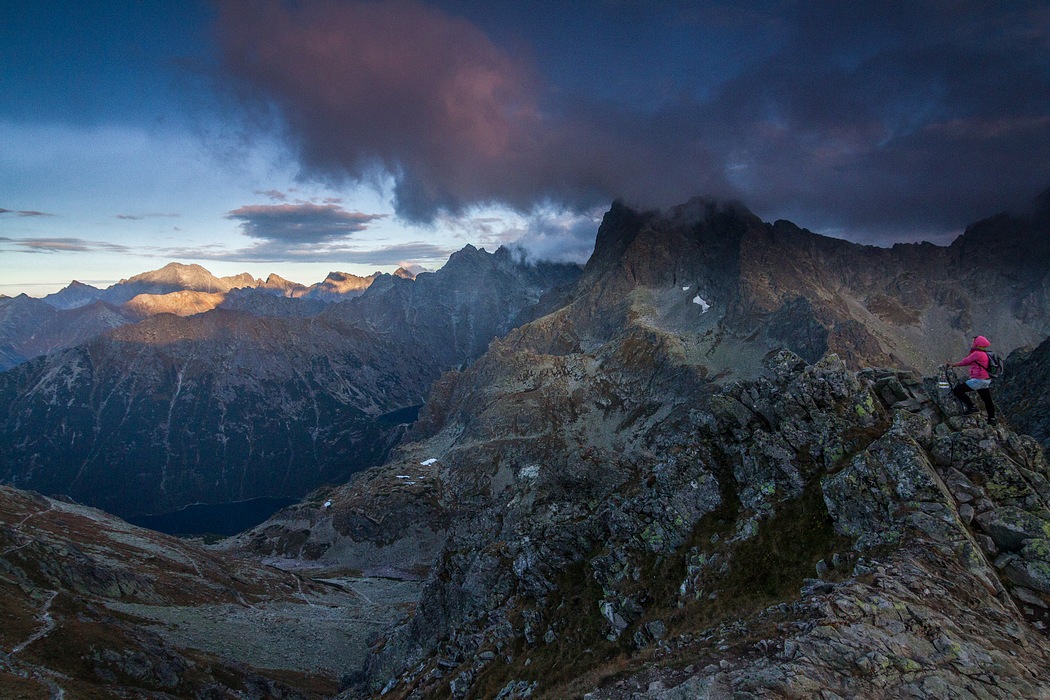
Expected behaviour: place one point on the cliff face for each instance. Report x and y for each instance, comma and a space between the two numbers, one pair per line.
1024, 393
714, 274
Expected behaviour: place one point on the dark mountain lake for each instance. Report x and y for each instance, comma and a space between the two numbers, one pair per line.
214, 519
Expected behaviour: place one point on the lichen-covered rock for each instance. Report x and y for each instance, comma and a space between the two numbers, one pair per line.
872, 498
1010, 526
1032, 568
895, 482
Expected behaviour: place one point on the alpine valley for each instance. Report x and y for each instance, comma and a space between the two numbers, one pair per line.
714, 462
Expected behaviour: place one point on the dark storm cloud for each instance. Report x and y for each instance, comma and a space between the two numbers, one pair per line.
300, 223
405, 89
894, 124
880, 121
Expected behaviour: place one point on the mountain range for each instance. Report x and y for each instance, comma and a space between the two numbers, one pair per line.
230, 404
32, 327
714, 463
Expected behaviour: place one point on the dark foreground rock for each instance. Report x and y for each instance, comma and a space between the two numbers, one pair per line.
638, 490
1023, 391
796, 536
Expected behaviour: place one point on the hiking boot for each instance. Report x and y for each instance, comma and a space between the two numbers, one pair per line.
970, 411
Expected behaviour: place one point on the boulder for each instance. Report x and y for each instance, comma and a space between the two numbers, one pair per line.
1009, 527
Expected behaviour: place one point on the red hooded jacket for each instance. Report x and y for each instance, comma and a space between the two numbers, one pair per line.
977, 359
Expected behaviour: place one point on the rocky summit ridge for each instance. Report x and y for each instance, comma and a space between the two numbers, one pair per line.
814, 530
651, 492
31, 327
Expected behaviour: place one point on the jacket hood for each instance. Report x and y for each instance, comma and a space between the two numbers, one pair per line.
980, 342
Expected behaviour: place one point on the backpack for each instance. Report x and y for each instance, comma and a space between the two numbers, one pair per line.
996, 367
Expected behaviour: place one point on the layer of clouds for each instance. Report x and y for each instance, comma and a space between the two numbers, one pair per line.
414, 252
302, 223
563, 238
878, 124
60, 245
140, 217
23, 212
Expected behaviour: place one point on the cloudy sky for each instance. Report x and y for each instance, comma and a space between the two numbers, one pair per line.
308, 136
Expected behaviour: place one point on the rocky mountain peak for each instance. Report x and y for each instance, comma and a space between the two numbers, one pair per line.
73, 295
468, 257
242, 280
184, 277
340, 285
716, 273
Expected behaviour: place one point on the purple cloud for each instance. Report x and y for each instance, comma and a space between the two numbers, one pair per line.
406, 89
879, 125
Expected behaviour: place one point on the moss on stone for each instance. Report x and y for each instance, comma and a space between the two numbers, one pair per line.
865, 407
1037, 549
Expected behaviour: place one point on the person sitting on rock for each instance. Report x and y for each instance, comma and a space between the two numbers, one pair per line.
979, 380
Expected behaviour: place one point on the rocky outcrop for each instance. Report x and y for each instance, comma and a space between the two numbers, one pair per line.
815, 530
640, 475
919, 608
1022, 394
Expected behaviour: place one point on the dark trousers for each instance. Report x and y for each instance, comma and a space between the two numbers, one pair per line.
961, 391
